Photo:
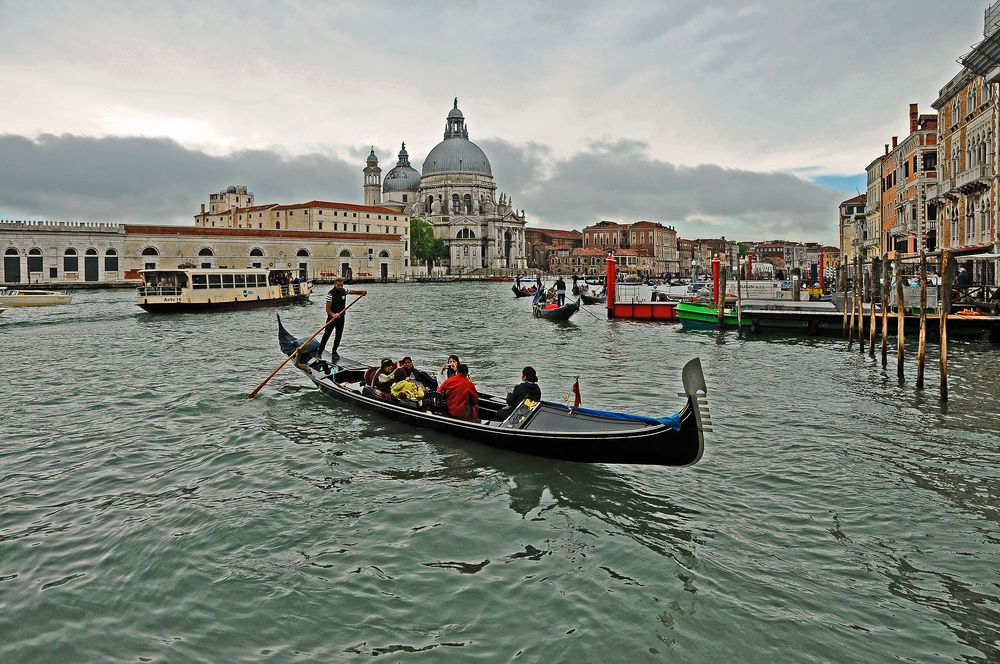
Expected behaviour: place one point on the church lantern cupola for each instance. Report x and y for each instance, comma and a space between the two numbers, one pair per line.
373, 180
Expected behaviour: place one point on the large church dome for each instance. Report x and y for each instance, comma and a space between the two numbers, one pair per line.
456, 153
403, 177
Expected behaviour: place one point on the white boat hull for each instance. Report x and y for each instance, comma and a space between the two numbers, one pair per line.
33, 298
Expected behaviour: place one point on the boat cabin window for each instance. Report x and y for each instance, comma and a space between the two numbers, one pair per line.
239, 281
215, 281
227, 281
199, 280
165, 279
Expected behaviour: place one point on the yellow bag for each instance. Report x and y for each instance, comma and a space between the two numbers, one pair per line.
405, 389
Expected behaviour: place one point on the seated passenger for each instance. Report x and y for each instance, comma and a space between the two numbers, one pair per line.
448, 370
460, 395
420, 378
526, 389
406, 390
385, 377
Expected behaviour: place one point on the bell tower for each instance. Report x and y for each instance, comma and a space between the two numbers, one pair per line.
373, 180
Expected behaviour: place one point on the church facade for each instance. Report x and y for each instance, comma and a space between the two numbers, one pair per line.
454, 192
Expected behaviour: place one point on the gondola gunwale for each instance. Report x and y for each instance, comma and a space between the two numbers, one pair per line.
656, 444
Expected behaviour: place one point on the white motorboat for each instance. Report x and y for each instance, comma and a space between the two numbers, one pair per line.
33, 298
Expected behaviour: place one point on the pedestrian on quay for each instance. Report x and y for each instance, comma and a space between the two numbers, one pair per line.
336, 302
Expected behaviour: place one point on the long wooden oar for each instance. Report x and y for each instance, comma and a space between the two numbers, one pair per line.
296, 351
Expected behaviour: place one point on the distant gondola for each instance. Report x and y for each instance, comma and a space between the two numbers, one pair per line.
593, 299
560, 313
542, 429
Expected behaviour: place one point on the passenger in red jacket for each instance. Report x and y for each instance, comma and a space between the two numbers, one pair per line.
460, 395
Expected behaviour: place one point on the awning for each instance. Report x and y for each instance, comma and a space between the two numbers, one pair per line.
984, 257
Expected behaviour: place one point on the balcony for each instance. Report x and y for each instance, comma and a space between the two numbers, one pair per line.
972, 179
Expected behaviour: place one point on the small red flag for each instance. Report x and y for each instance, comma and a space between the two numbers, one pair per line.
576, 393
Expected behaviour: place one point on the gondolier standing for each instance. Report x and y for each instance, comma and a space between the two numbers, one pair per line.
336, 301
560, 291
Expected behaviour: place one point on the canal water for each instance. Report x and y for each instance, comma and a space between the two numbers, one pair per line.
148, 512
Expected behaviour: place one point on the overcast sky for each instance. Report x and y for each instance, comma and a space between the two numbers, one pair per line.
750, 120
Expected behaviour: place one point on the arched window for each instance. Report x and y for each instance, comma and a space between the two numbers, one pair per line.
468, 204
34, 260
277, 225
150, 251
345, 254
206, 252
256, 252
11, 252
110, 260
91, 252
454, 203
383, 254
466, 234
302, 252
71, 262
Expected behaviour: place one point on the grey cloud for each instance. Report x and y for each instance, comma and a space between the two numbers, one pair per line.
157, 180
152, 180
620, 180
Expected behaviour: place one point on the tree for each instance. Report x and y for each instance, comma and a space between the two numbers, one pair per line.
423, 245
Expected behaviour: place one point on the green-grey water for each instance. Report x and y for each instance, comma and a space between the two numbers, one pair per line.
148, 512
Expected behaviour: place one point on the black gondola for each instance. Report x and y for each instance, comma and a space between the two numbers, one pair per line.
522, 291
593, 299
539, 428
565, 312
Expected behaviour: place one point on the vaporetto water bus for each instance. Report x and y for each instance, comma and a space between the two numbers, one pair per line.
219, 289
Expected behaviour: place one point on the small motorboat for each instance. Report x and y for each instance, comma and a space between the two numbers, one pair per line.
33, 298
540, 428
564, 312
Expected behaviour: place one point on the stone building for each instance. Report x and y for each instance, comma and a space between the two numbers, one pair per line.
868, 236
456, 193
540, 242
853, 226
647, 238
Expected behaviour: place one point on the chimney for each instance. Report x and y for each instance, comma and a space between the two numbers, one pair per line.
913, 118
203, 208
894, 142
886, 149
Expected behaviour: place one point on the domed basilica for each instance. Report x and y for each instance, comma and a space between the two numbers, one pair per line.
455, 193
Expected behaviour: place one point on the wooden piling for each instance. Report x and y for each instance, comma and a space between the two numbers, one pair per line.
885, 309
853, 296
945, 304
922, 343
722, 298
872, 296
843, 289
861, 308
900, 317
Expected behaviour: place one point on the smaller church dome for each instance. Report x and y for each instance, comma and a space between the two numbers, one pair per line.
402, 177
372, 159
231, 190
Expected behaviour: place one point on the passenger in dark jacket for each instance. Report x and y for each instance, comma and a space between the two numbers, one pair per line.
526, 389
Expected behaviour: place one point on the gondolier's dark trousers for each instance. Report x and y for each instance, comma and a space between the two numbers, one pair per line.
561, 297
336, 325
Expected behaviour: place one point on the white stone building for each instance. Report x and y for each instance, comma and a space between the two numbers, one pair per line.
455, 193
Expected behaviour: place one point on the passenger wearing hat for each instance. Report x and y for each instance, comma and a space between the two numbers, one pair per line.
386, 376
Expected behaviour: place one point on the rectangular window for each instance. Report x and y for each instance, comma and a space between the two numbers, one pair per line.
215, 281
321, 212
199, 281
239, 281
335, 226
355, 228
111, 263
368, 229
53, 273
227, 281
321, 225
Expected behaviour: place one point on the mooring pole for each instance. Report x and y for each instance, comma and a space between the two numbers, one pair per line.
945, 303
885, 310
922, 343
873, 295
900, 317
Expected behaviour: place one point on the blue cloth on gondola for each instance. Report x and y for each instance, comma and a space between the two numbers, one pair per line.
289, 343
673, 421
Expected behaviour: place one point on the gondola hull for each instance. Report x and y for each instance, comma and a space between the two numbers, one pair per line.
591, 299
564, 312
522, 292
545, 429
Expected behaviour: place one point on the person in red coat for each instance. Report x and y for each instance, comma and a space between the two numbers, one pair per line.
460, 395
